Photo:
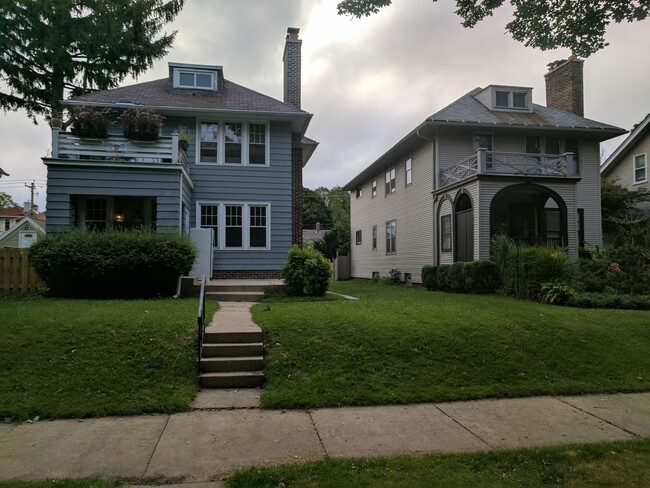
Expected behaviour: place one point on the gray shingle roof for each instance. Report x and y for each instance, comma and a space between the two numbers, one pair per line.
159, 93
468, 110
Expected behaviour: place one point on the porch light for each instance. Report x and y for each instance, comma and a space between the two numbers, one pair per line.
119, 217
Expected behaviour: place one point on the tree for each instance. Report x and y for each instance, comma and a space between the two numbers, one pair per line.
339, 204
622, 219
546, 24
6, 201
50, 49
315, 209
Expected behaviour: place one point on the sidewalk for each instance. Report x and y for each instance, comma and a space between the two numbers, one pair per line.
205, 445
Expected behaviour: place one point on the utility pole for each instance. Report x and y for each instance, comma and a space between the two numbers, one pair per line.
32, 187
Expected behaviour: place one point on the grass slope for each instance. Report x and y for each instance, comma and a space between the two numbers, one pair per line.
79, 358
82, 483
403, 345
594, 465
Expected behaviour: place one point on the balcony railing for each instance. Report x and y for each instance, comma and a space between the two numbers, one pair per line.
164, 150
486, 162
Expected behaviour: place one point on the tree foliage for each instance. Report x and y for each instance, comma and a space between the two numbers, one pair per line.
315, 209
50, 49
330, 207
622, 219
578, 25
6, 201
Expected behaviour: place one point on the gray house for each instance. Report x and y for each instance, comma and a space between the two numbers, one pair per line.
490, 162
228, 158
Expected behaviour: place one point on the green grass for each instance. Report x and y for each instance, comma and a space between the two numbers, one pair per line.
405, 345
595, 465
80, 358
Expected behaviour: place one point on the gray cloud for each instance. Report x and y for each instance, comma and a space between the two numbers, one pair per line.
370, 81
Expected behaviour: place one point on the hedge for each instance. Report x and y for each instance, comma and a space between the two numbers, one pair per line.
305, 273
608, 300
478, 277
112, 264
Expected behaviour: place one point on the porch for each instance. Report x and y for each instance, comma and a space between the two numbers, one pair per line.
117, 148
498, 163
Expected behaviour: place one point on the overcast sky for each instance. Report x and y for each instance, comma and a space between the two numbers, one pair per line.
367, 82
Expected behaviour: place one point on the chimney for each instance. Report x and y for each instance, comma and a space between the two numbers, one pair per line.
292, 63
564, 86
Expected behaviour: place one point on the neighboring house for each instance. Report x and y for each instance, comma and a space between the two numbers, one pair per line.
240, 174
313, 235
490, 162
9, 217
628, 164
24, 233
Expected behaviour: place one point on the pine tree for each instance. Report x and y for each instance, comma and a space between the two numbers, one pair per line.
51, 49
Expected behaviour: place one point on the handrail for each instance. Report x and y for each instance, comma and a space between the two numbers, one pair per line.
200, 322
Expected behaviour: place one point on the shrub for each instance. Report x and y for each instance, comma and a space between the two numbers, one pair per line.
608, 300
141, 123
556, 292
90, 122
113, 264
430, 277
468, 277
306, 272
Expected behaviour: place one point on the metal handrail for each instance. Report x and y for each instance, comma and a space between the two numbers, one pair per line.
200, 322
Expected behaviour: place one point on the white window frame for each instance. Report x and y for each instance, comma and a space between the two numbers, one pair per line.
374, 188
645, 169
391, 174
392, 247
358, 237
221, 223
358, 191
177, 79
374, 237
408, 172
221, 143
511, 107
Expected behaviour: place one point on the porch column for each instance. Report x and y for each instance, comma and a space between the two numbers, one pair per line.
481, 158
570, 164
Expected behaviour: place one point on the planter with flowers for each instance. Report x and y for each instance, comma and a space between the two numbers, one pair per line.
141, 124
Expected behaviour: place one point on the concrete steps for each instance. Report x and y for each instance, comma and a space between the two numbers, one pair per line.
239, 290
232, 353
235, 296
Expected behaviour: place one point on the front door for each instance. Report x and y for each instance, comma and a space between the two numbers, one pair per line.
464, 236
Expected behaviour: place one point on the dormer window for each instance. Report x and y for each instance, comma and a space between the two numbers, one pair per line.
510, 100
194, 76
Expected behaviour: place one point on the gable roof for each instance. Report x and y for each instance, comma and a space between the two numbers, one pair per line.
628, 144
19, 212
37, 226
467, 111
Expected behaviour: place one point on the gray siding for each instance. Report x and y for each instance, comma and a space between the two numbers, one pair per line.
411, 207
588, 191
624, 170
67, 181
249, 184
445, 202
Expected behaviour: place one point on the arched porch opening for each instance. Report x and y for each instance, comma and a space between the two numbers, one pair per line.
463, 227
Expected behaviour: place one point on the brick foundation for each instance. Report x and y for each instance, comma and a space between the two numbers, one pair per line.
247, 274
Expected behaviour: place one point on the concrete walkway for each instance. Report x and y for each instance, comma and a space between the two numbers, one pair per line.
205, 445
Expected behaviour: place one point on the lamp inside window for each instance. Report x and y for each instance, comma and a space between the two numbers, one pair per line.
119, 217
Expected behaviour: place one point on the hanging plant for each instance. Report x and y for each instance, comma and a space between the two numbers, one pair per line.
141, 124
90, 122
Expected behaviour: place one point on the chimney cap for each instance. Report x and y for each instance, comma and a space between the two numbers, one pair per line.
292, 32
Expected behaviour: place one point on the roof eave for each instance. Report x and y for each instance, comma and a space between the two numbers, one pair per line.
613, 160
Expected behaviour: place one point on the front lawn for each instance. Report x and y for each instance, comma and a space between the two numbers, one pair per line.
404, 345
608, 464
79, 358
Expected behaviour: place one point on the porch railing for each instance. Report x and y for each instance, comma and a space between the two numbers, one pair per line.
114, 147
506, 163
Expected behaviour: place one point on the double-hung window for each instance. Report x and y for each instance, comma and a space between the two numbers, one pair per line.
391, 237
96, 213
408, 176
358, 192
640, 168
445, 231
390, 180
374, 188
229, 142
357, 237
374, 237
237, 225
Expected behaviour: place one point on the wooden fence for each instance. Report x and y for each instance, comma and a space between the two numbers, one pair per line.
16, 275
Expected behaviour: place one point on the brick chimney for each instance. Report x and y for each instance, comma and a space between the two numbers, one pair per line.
292, 63
564, 86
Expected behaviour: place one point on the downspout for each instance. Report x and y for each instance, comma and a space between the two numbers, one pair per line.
435, 257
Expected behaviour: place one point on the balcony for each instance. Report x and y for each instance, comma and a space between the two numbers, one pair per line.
486, 162
116, 148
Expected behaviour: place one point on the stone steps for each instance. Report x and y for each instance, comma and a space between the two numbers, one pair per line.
224, 350
232, 364
235, 379
235, 296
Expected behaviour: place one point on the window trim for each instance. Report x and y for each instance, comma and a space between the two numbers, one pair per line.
408, 171
221, 143
358, 191
373, 190
220, 239
389, 237
357, 237
444, 248
177, 79
645, 169
510, 91
391, 173
374, 237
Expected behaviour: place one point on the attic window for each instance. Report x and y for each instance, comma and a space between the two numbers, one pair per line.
194, 79
511, 99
